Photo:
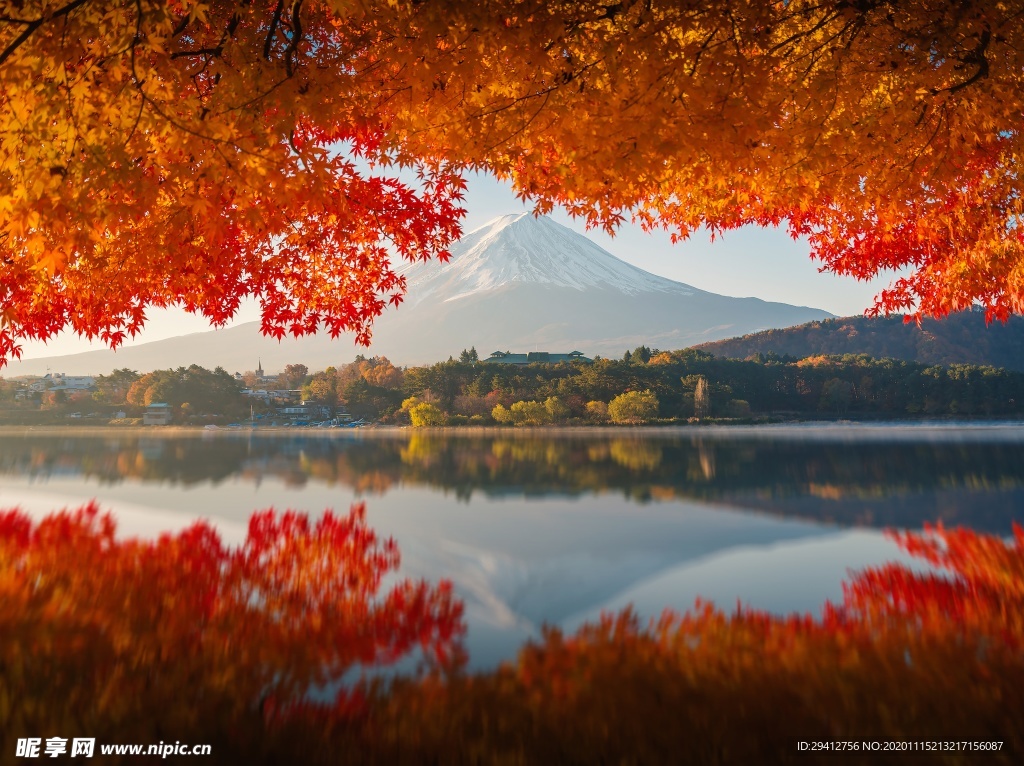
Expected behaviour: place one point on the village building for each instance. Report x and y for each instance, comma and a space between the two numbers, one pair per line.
58, 381
157, 414
534, 357
262, 378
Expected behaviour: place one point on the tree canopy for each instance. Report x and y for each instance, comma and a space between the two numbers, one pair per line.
176, 152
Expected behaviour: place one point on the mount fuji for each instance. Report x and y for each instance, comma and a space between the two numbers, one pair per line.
517, 250
525, 283
519, 283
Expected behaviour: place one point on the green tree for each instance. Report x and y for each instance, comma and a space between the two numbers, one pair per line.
836, 395
558, 411
529, 414
633, 407
423, 413
640, 355
426, 414
113, 388
294, 376
322, 387
208, 392
364, 399
501, 414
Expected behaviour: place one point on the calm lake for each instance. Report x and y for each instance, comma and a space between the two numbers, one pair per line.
554, 527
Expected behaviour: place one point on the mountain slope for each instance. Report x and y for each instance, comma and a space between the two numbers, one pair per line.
520, 249
516, 283
959, 338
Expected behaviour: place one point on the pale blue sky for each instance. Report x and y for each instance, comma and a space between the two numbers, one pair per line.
750, 262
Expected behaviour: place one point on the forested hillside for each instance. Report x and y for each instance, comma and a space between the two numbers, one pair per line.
645, 386
648, 386
958, 339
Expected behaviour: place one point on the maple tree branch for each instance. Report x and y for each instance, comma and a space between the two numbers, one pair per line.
186, 129
804, 32
296, 36
943, 117
218, 50
705, 46
32, 26
136, 39
182, 26
525, 125
274, 21
255, 99
856, 24
910, 167
977, 57
519, 99
135, 124
199, 52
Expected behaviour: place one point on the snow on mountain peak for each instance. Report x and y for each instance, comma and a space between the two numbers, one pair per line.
520, 248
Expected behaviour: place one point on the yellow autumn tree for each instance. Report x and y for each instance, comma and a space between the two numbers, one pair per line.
633, 407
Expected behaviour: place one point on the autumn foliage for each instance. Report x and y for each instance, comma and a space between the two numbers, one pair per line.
183, 636
906, 656
197, 152
248, 649
167, 152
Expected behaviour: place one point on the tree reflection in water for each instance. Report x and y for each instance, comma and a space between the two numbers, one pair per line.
184, 639
878, 482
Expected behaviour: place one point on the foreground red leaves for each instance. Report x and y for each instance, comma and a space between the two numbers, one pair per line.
132, 640
183, 638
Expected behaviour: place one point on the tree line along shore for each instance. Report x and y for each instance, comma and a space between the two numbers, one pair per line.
644, 386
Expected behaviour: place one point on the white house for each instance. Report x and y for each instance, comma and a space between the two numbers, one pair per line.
58, 381
157, 414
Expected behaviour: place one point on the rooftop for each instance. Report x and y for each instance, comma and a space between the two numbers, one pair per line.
534, 357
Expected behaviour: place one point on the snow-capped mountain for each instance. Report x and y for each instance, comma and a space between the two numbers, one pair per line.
520, 249
525, 283
517, 283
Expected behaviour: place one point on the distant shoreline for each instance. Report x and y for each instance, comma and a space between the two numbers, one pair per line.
804, 427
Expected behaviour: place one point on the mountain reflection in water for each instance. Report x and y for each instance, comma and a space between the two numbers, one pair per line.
258, 652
